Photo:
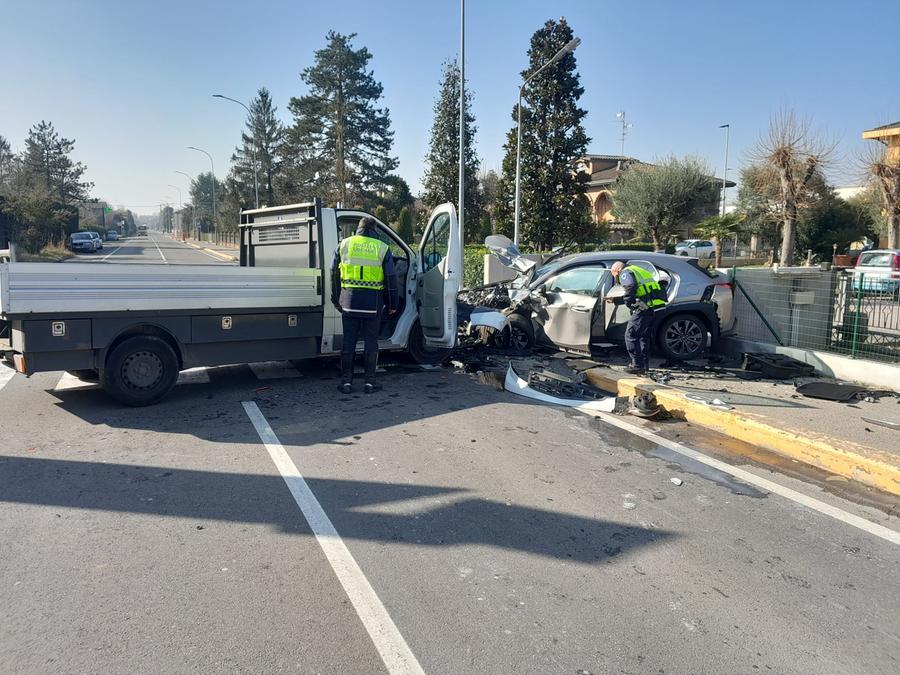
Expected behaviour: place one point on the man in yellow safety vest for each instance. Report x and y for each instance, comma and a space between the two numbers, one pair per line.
643, 296
363, 285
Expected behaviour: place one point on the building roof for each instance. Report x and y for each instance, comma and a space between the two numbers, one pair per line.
884, 130
609, 175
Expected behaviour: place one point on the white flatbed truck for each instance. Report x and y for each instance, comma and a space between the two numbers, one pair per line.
135, 326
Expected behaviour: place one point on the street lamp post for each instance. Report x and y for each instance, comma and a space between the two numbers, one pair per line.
213, 168
255, 173
727, 128
180, 200
568, 47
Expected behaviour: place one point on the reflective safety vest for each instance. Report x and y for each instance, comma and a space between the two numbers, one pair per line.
648, 289
361, 262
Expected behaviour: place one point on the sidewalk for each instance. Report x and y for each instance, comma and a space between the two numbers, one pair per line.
770, 414
222, 251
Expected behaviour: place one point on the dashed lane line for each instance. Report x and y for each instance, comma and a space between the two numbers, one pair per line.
110, 255
394, 651
6, 375
159, 250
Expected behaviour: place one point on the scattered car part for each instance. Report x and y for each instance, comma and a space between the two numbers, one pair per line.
645, 405
831, 391
883, 423
777, 366
676, 481
515, 384
487, 317
548, 382
716, 403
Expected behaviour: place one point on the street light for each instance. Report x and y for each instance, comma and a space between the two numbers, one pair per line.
213, 167
180, 200
727, 128
255, 173
569, 47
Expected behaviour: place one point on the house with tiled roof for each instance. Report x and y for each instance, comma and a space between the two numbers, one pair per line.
604, 172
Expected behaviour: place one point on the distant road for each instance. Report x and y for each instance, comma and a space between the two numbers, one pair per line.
156, 248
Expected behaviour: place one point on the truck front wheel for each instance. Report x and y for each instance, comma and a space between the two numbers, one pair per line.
423, 353
140, 371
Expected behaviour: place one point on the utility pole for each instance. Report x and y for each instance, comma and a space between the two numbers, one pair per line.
727, 128
213, 168
462, 120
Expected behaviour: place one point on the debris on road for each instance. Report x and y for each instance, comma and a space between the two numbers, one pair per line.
777, 366
517, 385
645, 405
883, 423
676, 481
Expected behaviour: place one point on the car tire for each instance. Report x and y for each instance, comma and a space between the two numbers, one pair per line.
140, 371
421, 352
520, 333
681, 337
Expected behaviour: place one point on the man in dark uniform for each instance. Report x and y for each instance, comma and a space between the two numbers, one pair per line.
363, 284
643, 296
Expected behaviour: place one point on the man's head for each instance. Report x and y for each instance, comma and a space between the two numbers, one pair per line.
617, 267
365, 223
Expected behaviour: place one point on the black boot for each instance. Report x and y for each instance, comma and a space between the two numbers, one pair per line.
371, 366
346, 385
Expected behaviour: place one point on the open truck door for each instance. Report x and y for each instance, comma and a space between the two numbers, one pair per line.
440, 276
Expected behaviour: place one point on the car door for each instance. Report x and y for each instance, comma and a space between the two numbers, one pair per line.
566, 320
616, 313
439, 278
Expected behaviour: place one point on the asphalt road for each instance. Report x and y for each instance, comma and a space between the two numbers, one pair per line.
155, 248
470, 530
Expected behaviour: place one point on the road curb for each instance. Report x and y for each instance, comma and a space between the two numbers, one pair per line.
869, 466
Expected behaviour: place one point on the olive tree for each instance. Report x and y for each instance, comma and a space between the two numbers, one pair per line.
659, 199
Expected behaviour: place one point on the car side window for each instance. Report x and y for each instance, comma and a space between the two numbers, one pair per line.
579, 280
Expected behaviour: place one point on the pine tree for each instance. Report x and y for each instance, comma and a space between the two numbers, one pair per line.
553, 206
405, 225
441, 181
202, 199
6, 159
263, 139
49, 168
381, 213
340, 142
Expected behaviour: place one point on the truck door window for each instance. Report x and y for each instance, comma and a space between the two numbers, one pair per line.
435, 249
347, 227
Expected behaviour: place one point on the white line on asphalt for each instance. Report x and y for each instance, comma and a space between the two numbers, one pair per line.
109, 255
68, 382
159, 250
838, 514
396, 654
6, 374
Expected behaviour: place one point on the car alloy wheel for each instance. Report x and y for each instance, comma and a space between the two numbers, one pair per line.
685, 337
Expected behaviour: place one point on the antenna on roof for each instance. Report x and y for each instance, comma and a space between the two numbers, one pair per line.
625, 127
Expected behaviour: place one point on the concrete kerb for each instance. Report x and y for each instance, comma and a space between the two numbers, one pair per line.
857, 462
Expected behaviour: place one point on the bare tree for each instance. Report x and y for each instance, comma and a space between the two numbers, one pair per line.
885, 172
794, 154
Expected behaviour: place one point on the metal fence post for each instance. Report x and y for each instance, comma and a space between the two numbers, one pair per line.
859, 287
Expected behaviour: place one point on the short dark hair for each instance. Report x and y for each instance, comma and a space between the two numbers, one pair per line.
367, 221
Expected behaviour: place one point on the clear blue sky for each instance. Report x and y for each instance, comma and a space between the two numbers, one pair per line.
132, 81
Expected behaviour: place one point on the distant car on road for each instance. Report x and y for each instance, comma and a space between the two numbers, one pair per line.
81, 242
696, 248
142, 230
878, 271
112, 235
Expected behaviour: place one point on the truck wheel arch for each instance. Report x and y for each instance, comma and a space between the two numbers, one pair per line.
149, 329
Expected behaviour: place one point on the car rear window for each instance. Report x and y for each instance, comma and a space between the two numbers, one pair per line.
876, 259
81, 237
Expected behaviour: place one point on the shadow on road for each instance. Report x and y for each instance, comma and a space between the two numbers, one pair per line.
263, 499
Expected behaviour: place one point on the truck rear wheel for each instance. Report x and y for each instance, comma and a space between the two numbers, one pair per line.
140, 371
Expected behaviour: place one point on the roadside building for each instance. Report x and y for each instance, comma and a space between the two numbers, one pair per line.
604, 172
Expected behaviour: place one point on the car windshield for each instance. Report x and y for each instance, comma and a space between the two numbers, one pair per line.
81, 237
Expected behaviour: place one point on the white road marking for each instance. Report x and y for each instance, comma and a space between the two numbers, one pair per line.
109, 255
396, 654
741, 474
274, 370
68, 382
6, 374
159, 250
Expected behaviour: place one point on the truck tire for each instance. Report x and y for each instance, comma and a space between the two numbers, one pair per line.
682, 337
140, 371
421, 352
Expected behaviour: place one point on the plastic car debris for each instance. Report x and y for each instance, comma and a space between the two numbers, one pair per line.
831, 391
556, 384
676, 481
515, 384
883, 423
777, 366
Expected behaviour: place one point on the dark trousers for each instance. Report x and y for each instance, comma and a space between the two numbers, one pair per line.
355, 328
638, 335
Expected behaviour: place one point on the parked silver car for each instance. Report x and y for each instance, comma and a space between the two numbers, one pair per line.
98, 240
562, 302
